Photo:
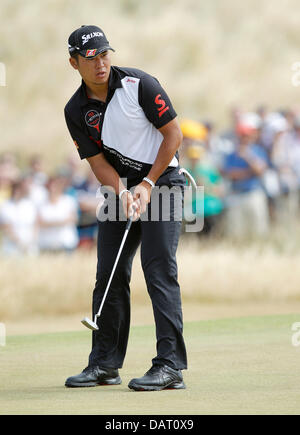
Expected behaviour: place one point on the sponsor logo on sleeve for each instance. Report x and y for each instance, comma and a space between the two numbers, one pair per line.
162, 105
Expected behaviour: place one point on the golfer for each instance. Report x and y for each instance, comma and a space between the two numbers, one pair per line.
122, 121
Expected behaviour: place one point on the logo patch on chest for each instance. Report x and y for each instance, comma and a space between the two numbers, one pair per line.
92, 119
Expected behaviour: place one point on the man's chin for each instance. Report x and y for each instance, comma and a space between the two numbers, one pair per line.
98, 82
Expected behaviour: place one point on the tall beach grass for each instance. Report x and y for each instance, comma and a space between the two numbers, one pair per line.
209, 271
207, 55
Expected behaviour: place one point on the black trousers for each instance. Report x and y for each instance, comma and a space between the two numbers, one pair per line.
159, 241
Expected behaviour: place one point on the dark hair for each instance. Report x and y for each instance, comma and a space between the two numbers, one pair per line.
75, 56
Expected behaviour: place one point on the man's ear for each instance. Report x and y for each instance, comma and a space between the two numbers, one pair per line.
73, 62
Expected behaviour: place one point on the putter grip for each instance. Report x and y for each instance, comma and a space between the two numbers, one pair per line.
129, 222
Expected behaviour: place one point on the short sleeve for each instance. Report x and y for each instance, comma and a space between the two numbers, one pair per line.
155, 102
260, 153
86, 146
6, 213
228, 162
72, 204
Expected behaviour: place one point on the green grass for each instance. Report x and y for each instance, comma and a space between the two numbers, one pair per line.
236, 366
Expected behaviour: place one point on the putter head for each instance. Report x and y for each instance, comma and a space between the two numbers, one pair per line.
89, 324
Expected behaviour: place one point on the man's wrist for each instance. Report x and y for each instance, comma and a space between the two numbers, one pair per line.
152, 184
122, 192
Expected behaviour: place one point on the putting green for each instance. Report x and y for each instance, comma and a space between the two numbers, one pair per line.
236, 366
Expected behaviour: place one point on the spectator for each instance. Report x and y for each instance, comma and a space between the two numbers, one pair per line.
271, 127
89, 198
73, 166
5, 186
38, 192
286, 160
193, 132
9, 167
18, 219
247, 206
57, 219
64, 173
39, 176
295, 148
229, 135
8, 174
207, 175
216, 146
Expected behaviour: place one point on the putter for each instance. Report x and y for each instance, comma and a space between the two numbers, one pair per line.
190, 179
93, 324
188, 176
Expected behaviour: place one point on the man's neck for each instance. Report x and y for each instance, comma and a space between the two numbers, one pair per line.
97, 92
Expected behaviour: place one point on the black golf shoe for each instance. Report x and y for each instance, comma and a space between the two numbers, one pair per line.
93, 376
158, 378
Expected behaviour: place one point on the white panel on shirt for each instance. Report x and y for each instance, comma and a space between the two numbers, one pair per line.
132, 134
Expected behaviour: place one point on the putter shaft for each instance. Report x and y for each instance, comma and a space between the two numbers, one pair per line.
86, 321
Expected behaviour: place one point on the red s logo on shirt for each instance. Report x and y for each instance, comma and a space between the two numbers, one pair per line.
160, 102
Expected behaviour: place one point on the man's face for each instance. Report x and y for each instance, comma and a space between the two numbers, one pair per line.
94, 70
245, 139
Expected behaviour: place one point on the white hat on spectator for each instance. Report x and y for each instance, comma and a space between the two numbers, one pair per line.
251, 119
276, 122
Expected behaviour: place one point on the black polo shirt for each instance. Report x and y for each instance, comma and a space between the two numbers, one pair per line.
125, 127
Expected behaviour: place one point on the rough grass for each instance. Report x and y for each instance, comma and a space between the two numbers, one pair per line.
215, 271
236, 366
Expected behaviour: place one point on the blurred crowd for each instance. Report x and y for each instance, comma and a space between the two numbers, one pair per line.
250, 173
46, 213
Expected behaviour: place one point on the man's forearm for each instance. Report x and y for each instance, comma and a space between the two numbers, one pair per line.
163, 159
170, 144
258, 167
106, 173
238, 174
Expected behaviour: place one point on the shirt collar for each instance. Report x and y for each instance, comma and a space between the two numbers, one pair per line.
114, 79
114, 82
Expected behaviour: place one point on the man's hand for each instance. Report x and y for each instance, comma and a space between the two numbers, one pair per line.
136, 204
256, 164
142, 195
130, 207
